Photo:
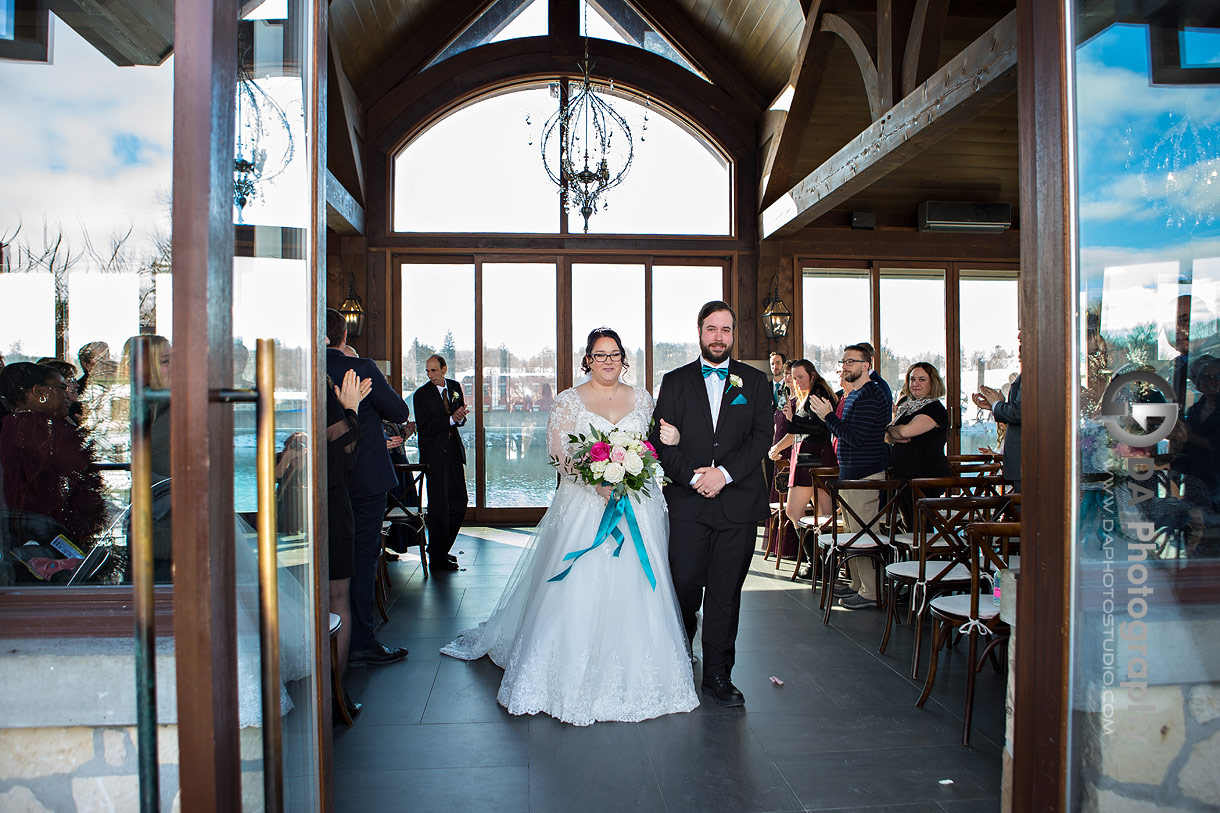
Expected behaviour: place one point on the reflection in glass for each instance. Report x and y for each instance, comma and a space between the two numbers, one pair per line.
448, 330
607, 295
85, 223
519, 380
988, 334
678, 292
1148, 511
837, 312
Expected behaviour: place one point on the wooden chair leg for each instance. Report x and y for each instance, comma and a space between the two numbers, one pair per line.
890, 613
918, 622
828, 585
381, 586
336, 684
971, 672
937, 640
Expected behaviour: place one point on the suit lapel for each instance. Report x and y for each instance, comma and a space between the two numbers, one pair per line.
705, 409
724, 400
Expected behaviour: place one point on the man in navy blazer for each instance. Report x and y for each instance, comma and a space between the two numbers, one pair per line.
372, 478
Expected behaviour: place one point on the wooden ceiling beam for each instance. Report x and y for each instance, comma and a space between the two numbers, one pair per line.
447, 21
670, 22
805, 79
860, 39
980, 76
893, 26
348, 154
923, 43
344, 214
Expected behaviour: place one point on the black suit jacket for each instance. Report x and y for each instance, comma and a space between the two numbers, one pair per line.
739, 442
432, 419
1009, 411
374, 473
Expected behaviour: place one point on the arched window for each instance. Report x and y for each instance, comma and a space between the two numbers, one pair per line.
479, 169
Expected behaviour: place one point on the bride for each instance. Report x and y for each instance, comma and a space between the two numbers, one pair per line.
601, 643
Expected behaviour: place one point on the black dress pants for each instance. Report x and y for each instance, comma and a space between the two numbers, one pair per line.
368, 511
709, 558
447, 499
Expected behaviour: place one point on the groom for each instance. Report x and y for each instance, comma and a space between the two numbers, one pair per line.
722, 410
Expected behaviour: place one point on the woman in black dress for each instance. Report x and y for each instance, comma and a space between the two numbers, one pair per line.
919, 432
807, 441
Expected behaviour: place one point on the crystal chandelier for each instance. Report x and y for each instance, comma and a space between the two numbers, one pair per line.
260, 120
591, 135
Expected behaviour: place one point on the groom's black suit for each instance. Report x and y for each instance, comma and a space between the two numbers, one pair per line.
711, 540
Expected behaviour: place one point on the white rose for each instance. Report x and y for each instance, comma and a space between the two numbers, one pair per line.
599, 468
633, 464
635, 446
618, 438
614, 473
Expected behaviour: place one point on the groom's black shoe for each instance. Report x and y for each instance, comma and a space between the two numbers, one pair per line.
722, 690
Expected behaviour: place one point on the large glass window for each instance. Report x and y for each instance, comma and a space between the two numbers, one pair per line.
519, 379
836, 311
987, 330
1147, 467
678, 292
912, 322
480, 169
609, 295
447, 330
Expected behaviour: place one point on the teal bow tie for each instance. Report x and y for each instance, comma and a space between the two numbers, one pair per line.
720, 372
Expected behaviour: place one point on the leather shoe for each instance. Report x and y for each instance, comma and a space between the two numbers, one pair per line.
451, 558
857, 602
353, 711
843, 590
440, 565
377, 655
722, 690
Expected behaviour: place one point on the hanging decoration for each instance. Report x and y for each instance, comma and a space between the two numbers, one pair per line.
594, 142
258, 117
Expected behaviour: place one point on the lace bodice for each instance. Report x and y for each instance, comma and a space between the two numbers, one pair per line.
570, 416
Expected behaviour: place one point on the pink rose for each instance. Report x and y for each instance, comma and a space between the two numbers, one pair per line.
651, 450
600, 451
618, 454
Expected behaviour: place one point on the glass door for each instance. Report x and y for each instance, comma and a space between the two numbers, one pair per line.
912, 322
987, 336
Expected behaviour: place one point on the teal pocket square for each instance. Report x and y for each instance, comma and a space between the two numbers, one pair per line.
740, 399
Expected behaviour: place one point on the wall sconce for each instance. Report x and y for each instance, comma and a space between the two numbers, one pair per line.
775, 315
352, 310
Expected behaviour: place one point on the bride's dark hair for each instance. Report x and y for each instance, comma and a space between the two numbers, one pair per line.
601, 333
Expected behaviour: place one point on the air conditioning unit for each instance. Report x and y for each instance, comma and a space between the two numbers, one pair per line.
959, 216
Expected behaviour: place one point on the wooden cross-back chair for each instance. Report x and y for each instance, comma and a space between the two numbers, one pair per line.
872, 540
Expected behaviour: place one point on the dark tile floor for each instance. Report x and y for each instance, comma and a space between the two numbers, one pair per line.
842, 733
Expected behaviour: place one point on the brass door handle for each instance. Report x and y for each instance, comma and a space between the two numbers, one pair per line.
268, 578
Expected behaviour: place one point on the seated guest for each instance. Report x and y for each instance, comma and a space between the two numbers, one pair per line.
808, 440
89, 355
918, 433
68, 371
46, 461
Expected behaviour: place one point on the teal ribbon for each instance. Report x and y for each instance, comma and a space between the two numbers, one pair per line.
617, 510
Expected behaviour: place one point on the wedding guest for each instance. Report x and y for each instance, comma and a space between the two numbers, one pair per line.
46, 462
861, 452
68, 370
918, 433
342, 441
89, 355
440, 410
788, 538
1007, 410
779, 363
372, 478
807, 439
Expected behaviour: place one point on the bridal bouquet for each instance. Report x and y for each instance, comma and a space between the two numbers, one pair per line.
629, 465
623, 460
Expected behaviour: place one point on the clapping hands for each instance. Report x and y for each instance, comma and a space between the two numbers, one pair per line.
353, 390
820, 406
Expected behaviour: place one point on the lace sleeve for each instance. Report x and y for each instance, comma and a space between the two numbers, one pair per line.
561, 423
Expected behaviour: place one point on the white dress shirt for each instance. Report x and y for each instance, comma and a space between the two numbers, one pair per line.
715, 394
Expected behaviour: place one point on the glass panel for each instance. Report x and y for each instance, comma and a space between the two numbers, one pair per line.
679, 183
837, 312
84, 225
427, 329
988, 334
678, 292
8, 11
272, 273
610, 296
503, 20
619, 22
519, 365
912, 322
443, 180
1147, 523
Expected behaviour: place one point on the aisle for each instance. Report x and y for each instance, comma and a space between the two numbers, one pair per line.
842, 733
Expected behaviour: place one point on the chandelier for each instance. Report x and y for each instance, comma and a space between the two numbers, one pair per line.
591, 135
261, 122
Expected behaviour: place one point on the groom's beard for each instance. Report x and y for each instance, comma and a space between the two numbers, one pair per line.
716, 353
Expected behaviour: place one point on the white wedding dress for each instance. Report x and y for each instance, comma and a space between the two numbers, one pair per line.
600, 644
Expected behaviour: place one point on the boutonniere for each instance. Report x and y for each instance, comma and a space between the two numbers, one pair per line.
453, 396
735, 381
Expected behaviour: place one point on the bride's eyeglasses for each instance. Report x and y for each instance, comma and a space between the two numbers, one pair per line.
602, 358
